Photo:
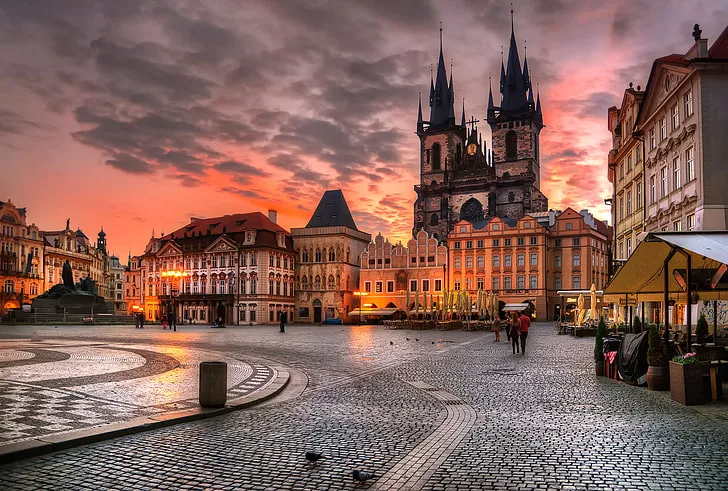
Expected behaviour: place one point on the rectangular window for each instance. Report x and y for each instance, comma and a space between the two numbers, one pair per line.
507, 282
629, 246
468, 244
638, 196
507, 242
675, 117
576, 260
534, 259
520, 282
576, 282
533, 241
390, 286
576, 241
252, 315
652, 189
496, 261
367, 286
663, 182
663, 129
496, 242
438, 285
691, 222
457, 244
629, 203
378, 287
620, 214
495, 282
456, 285
629, 162
676, 173
214, 262
413, 285
689, 164
557, 261
468, 283
520, 259
621, 250
557, 243
481, 244
688, 103
520, 241
481, 261
469, 262
480, 283
425, 285
621, 170
457, 263
507, 260
677, 226
533, 282
652, 139
557, 283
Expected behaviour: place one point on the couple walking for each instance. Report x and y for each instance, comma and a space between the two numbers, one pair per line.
519, 330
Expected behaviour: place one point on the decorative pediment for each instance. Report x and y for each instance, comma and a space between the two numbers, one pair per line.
665, 82
222, 244
170, 249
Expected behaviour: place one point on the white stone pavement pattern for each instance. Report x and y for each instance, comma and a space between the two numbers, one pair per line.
449, 411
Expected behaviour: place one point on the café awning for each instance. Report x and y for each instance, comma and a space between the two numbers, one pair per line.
515, 307
357, 312
643, 274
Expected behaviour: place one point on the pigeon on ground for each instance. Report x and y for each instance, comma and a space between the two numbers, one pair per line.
362, 476
313, 457
433, 342
416, 339
407, 339
391, 343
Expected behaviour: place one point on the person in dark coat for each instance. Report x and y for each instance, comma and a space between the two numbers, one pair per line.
515, 332
171, 320
284, 318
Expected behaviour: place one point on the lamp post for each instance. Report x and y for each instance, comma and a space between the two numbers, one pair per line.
174, 277
360, 294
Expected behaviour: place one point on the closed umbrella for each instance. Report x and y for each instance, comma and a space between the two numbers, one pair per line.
479, 301
496, 304
580, 307
407, 303
593, 300
417, 302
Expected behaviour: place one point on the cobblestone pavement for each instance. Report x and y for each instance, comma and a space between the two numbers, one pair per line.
52, 387
440, 411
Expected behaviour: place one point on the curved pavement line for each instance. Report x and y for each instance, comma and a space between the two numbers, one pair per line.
41, 356
416, 468
156, 363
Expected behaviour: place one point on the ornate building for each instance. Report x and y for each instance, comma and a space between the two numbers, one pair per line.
21, 258
116, 285
389, 271
457, 179
234, 268
329, 248
133, 285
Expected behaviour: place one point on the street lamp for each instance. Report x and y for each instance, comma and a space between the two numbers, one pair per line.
174, 277
360, 294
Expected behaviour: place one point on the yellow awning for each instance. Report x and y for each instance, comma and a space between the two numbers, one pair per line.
388, 311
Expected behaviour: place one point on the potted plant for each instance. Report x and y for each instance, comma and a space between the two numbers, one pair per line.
599, 348
701, 330
687, 380
658, 375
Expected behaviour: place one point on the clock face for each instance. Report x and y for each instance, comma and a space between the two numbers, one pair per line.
472, 148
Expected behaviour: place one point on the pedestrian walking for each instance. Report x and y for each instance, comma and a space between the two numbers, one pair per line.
496, 330
524, 323
136, 320
141, 320
164, 322
284, 318
514, 330
171, 320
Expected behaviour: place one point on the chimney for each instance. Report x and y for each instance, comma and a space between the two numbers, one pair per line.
273, 216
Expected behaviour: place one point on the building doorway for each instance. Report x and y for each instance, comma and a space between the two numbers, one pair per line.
317, 311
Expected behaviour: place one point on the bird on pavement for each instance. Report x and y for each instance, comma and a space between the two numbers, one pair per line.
313, 457
407, 339
416, 339
391, 343
362, 476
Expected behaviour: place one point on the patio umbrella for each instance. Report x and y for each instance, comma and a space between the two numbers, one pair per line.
407, 302
417, 302
593, 300
580, 306
432, 303
479, 301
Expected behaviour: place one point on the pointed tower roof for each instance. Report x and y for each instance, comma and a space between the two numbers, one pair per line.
539, 115
526, 73
514, 91
442, 108
490, 112
419, 111
332, 211
462, 119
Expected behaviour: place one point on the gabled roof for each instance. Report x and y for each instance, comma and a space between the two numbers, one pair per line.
332, 211
719, 50
229, 223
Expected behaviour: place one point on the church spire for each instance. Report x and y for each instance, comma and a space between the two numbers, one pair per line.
442, 101
539, 115
419, 112
491, 108
502, 74
514, 91
462, 120
526, 74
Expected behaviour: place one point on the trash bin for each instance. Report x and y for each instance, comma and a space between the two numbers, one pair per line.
213, 383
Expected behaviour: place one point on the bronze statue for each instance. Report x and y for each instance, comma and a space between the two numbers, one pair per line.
67, 276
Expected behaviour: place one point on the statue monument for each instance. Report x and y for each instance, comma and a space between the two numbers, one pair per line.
72, 298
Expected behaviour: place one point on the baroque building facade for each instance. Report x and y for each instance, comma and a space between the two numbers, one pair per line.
459, 179
389, 271
329, 249
230, 269
21, 258
133, 286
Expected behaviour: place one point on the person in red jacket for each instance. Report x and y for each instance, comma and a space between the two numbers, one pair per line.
525, 323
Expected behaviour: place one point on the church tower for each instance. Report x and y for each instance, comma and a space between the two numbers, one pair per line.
516, 123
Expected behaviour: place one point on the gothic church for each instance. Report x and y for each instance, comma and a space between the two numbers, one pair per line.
459, 178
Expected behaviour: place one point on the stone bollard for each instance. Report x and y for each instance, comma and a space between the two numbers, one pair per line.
213, 383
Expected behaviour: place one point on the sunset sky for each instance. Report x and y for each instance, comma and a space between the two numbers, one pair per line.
136, 115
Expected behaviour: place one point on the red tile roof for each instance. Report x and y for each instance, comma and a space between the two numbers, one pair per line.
720, 46
239, 222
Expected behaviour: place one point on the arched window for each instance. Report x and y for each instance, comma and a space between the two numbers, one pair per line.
304, 283
9, 286
511, 145
348, 255
332, 255
323, 255
34, 288
317, 258
436, 156
304, 256
332, 283
317, 283
433, 219
338, 282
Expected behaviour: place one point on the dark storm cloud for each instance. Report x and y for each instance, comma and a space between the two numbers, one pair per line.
593, 106
129, 164
246, 193
14, 123
240, 168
